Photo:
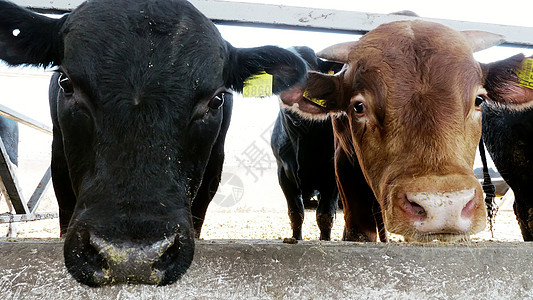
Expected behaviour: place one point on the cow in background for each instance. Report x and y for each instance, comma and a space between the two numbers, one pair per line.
9, 133
407, 117
304, 153
508, 131
140, 104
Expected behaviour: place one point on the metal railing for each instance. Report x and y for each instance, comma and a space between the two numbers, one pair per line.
23, 210
306, 18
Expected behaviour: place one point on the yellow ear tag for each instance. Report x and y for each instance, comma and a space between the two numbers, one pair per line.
259, 85
525, 73
319, 102
331, 72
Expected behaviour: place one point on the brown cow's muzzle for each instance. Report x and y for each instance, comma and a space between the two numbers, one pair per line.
445, 208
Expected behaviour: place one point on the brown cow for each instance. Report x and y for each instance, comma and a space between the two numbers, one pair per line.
406, 107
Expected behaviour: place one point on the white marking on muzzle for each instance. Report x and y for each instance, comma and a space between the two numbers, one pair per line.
443, 211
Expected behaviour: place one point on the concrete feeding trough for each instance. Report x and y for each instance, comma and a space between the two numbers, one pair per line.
231, 269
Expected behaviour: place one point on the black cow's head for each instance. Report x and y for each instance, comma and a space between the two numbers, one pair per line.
142, 92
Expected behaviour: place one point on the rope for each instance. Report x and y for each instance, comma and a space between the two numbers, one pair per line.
489, 189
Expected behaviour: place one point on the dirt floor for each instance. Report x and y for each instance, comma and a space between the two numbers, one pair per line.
262, 217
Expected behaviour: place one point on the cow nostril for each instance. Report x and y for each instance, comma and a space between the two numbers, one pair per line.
414, 209
468, 209
167, 257
171, 262
95, 258
418, 209
83, 260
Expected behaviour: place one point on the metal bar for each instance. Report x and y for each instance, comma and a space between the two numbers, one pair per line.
3, 191
50, 5
9, 179
40, 190
16, 116
10, 218
335, 20
304, 18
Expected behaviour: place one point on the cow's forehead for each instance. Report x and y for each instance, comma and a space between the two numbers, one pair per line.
414, 36
416, 57
143, 44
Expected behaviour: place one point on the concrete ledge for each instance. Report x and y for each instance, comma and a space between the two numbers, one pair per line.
308, 270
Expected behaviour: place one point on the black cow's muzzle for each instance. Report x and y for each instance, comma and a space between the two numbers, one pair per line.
130, 263
95, 261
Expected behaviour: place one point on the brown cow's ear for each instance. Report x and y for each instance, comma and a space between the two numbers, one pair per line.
320, 95
510, 81
338, 52
480, 40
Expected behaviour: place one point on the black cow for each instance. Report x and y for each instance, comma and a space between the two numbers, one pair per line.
304, 153
141, 103
9, 133
508, 134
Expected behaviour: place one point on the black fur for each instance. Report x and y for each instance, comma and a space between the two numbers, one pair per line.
508, 136
304, 152
37, 42
9, 133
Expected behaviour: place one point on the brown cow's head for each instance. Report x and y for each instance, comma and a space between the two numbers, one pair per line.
407, 103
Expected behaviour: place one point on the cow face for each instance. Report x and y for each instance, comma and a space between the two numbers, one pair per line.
407, 102
141, 98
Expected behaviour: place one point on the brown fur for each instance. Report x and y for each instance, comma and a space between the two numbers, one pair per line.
419, 82
422, 80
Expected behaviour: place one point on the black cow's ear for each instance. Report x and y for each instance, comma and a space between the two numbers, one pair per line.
315, 63
286, 68
28, 38
321, 94
510, 81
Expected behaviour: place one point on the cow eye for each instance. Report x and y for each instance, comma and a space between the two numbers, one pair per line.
217, 101
65, 84
479, 100
359, 107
